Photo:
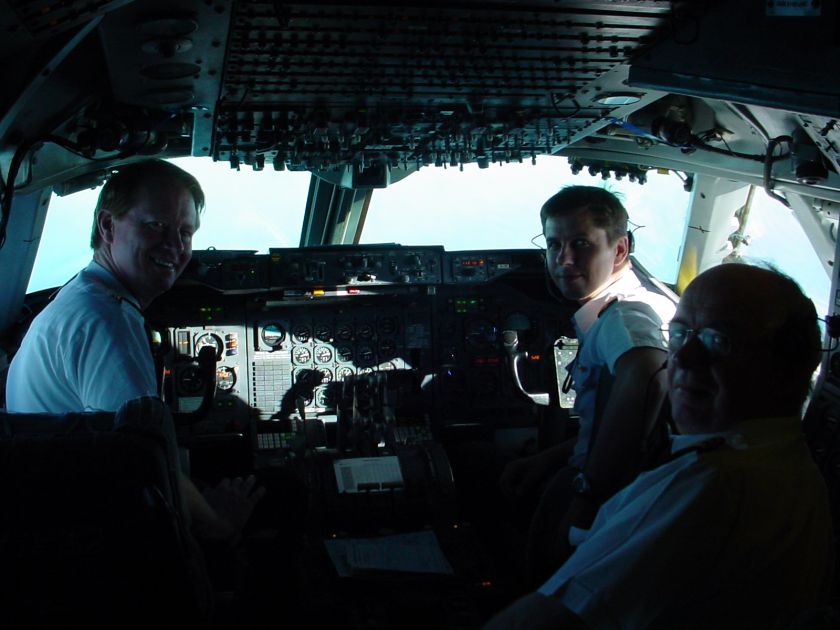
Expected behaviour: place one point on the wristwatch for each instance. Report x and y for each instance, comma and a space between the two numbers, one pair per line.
580, 485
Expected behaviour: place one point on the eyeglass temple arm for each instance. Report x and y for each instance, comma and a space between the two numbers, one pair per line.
510, 340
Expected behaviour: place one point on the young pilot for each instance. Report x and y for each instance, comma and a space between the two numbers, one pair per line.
616, 375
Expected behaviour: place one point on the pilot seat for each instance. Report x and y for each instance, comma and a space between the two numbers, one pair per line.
91, 529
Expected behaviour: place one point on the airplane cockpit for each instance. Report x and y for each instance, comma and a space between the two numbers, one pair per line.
392, 377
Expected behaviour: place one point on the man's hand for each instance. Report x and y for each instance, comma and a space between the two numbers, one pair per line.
524, 475
233, 501
581, 513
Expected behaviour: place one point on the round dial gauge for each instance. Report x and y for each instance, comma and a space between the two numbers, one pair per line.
302, 333
225, 378
301, 355
387, 348
273, 335
307, 378
326, 375
344, 353
210, 339
344, 331
190, 380
323, 332
387, 325
364, 331
343, 372
323, 354
366, 354
324, 397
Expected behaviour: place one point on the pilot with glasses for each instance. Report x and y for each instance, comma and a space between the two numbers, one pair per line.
733, 530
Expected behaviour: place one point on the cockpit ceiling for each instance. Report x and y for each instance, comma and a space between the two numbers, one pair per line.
315, 85
366, 90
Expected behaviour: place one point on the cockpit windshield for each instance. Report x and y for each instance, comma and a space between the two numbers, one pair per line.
495, 207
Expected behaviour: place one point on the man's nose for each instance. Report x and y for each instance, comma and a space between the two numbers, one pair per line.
691, 353
564, 256
174, 240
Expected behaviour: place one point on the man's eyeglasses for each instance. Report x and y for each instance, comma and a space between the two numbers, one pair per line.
717, 343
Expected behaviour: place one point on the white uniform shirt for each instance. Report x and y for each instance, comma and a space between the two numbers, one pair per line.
739, 536
86, 351
607, 330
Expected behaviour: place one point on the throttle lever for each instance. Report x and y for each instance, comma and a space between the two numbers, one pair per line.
510, 341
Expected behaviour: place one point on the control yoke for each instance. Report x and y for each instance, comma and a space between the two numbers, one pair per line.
510, 340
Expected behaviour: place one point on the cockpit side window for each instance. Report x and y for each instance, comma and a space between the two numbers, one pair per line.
775, 236
245, 210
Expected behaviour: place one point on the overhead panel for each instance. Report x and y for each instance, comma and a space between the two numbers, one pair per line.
318, 85
168, 56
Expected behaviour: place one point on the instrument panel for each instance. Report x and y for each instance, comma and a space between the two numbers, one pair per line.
292, 331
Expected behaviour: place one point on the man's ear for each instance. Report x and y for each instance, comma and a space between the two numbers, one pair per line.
622, 251
105, 226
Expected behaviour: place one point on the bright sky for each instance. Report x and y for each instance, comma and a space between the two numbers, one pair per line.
489, 208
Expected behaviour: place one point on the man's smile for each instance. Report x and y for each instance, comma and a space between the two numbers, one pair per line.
163, 263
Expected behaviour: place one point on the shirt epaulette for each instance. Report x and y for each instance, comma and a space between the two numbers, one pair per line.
610, 302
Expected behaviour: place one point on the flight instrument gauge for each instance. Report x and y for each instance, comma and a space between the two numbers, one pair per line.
366, 354
210, 339
387, 348
387, 325
323, 397
364, 331
190, 381
344, 331
323, 354
302, 333
301, 355
225, 378
344, 372
273, 335
323, 332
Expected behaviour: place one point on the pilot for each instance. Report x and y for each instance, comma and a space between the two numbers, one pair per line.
616, 375
88, 349
734, 529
